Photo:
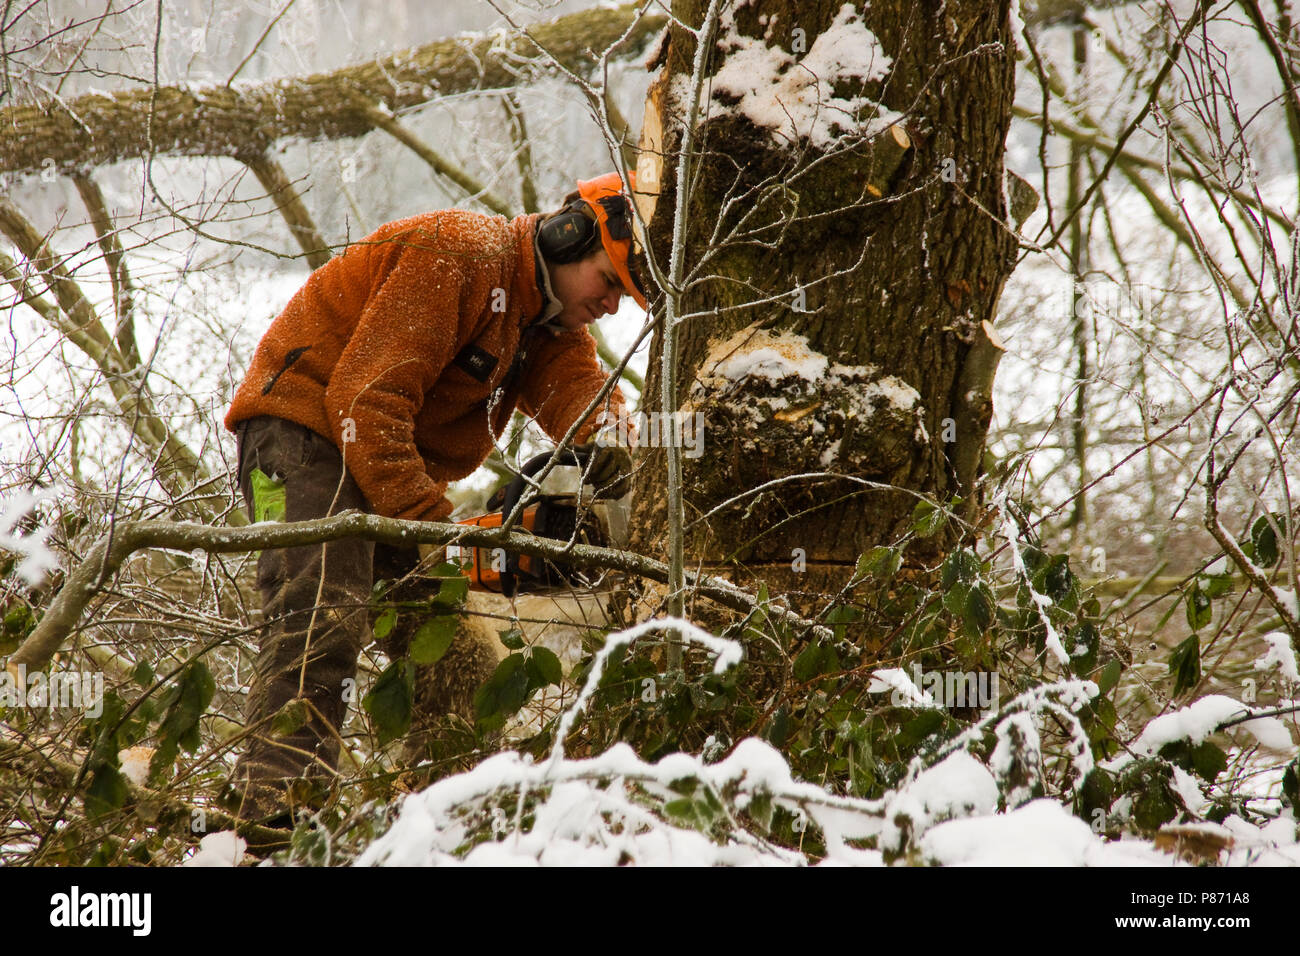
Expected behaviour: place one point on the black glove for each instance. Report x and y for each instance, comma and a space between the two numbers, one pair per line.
609, 468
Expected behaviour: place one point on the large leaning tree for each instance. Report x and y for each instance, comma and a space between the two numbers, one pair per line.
831, 287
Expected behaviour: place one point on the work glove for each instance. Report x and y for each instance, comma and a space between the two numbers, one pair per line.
609, 468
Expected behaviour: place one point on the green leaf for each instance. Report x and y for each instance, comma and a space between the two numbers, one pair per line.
880, 562
1083, 642
918, 728
548, 664
107, 792
390, 700
385, 622
1054, 578
808, 664
187, 700
1209, 760
143, 674
760, 809
1291, 784
293, 715
1215, 585
928, 519
839, 616
978, 613
960, 565
513, 639
1264, 538
1185, 664
954, 598
1199, 610
1096, 793
433, 639
778, 729
453, 592
504, 692
1108, 676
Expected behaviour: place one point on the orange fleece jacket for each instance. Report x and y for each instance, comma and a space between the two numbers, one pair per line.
398, 345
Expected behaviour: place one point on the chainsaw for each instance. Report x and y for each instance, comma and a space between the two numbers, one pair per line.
562, 507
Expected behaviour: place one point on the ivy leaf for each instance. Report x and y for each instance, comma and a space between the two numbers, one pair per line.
548, 665
389, 701
384, 624
1185, 664
880, 562
978, 612
928, 519
107, 792
808, 664
1108, 676
960, 565
513, 639
453, 591
433, 639
1199, 609
187, 699
1264, 538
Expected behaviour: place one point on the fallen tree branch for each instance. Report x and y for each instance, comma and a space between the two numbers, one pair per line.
245, 119
108, 554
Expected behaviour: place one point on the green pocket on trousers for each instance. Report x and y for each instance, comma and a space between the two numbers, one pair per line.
268, 496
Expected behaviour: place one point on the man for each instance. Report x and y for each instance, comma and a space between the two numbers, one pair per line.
389, 374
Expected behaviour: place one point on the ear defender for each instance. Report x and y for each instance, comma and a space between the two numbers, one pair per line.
568, 235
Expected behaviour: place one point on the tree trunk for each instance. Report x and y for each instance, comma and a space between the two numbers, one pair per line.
851, 276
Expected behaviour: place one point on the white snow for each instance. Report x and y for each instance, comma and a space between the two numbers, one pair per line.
793, 95
897, 680
960, 786
1201, 718
1041, 833
224, 848
785, 358
770, 355
1281, 655
37, 559
134, 763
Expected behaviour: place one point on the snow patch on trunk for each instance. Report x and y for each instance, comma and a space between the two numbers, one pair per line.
793, 95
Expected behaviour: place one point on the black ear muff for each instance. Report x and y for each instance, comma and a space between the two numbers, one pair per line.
568, 235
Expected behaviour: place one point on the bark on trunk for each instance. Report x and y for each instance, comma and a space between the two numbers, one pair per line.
887, 252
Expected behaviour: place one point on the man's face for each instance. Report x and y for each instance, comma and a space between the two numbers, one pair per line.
587, 289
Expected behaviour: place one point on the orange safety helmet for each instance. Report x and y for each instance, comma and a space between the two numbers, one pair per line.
563, 237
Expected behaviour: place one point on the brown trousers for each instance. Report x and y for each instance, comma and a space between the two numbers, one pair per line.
316, 612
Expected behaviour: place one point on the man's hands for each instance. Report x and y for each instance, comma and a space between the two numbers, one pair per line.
609, 469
